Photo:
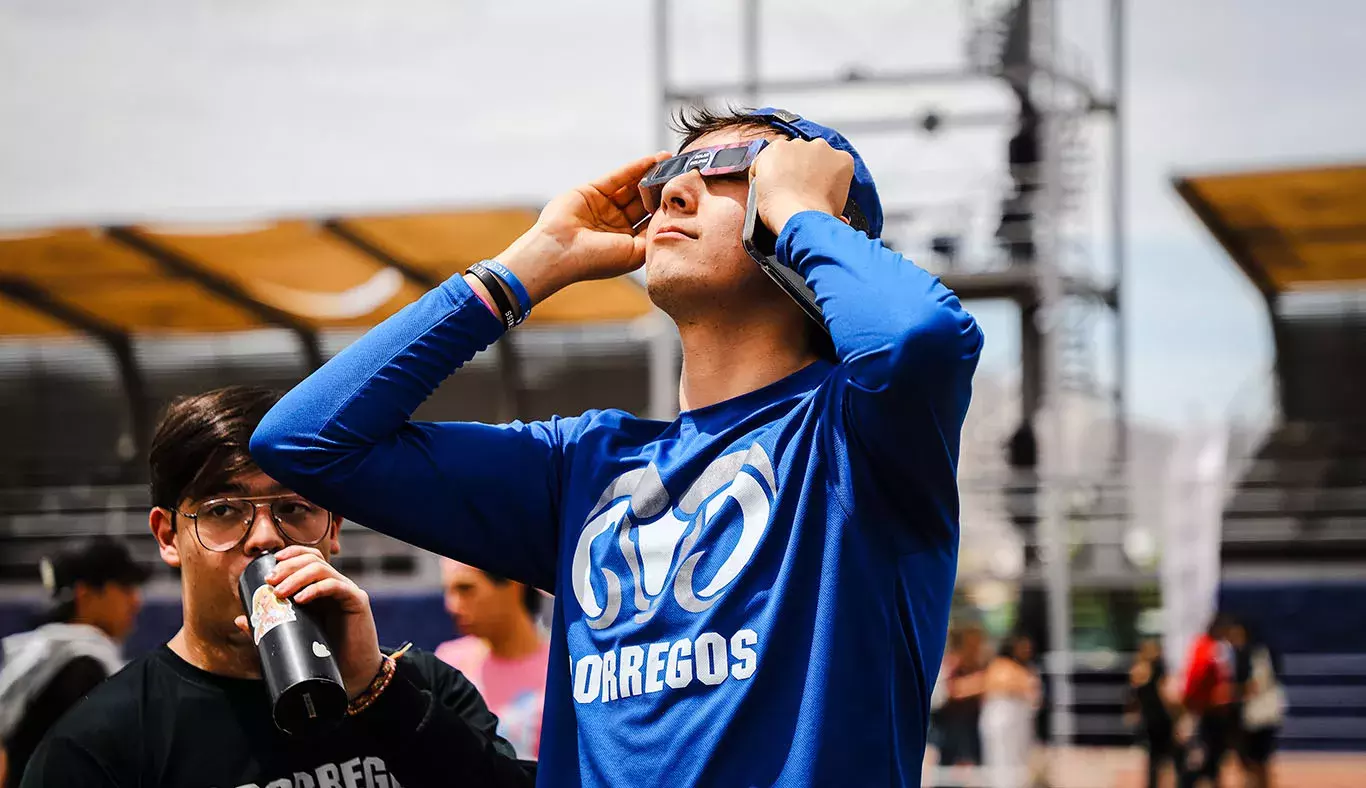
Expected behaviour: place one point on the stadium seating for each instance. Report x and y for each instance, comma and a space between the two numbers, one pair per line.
1304, 496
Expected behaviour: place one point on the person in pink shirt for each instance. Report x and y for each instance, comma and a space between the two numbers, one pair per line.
502, 651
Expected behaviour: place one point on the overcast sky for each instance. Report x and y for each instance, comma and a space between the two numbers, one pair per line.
224, 109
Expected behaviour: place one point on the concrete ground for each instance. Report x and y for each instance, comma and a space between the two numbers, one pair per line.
1125, 768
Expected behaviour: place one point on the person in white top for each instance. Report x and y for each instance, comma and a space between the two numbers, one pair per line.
1011, 700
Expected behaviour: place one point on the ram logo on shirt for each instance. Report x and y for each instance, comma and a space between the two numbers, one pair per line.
665, 537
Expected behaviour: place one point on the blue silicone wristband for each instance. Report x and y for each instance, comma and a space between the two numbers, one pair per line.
514, 284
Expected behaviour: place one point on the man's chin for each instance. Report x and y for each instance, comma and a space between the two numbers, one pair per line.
674, 283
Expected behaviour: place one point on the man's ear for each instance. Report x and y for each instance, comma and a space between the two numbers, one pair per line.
334, 539
81, 591
163, 528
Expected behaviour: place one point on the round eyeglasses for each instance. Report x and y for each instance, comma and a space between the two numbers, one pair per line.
221, 524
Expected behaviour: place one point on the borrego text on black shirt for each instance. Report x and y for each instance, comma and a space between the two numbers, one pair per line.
164, 722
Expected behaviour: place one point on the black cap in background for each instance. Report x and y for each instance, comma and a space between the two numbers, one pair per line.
94, 561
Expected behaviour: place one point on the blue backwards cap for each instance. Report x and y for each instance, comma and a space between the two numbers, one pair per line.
862, 190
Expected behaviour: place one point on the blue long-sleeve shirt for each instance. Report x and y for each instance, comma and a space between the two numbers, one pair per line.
756, 593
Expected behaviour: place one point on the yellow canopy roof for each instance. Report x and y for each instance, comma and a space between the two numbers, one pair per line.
1287, 229
305, 275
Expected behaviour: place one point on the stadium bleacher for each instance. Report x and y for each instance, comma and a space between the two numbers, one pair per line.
62, 474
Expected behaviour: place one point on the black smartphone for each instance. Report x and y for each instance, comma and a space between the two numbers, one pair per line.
761, 244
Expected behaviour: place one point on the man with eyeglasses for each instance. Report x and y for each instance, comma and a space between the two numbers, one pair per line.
196, 712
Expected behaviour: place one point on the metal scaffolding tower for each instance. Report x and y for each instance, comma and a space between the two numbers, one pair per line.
1039, 256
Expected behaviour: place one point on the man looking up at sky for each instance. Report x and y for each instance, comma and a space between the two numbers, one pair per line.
755, 593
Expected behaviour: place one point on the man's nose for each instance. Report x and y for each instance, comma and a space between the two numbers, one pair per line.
680, 194
262, 535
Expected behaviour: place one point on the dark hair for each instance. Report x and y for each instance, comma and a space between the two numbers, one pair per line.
1220, 624
1254, 642
1011, 642
694, 122
1159, 669
202, 440
531, 598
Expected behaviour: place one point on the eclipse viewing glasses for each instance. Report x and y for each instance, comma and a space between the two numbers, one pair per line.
716, 160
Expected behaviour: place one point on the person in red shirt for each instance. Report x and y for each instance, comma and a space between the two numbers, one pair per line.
1208, 699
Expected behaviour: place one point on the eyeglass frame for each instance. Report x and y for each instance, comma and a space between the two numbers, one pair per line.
255, 501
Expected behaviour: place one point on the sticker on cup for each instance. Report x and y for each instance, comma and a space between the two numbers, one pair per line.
268, 612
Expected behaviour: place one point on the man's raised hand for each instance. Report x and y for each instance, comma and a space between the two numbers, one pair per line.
791, 176
305, 576
593, 231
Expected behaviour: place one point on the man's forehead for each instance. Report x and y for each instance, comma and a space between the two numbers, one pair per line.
455, 571
736, 134
252, 483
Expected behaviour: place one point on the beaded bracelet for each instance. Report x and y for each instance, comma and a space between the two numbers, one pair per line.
388, 667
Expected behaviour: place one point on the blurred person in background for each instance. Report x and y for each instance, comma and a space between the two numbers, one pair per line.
196, 711
959, 718
1260, 703
1207, 700
742, 591
502, 652
1011, 694
1150, 706
95, 586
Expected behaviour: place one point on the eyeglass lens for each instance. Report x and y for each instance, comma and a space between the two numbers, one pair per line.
223, 522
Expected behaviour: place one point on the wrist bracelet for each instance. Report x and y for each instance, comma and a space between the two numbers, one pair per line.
499, 295
387, 668
514, 284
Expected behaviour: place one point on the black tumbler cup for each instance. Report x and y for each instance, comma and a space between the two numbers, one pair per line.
306, 690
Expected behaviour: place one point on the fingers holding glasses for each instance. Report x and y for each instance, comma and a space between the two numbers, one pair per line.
632, 206
628, 175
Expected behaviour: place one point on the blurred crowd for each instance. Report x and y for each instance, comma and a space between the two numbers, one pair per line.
1222, 705
1230, 703
1225, 704
986, 710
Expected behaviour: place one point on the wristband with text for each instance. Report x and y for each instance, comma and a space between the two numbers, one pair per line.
499, 295
514, 284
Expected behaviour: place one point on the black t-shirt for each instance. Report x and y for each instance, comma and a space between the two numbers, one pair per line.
63, 691
1156, 719
163, 722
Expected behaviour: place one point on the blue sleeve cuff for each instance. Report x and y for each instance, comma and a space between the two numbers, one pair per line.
800, 224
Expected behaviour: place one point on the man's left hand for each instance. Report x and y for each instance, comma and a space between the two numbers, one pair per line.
791, 176
302, 574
